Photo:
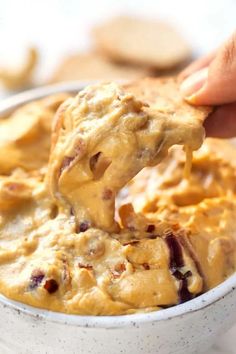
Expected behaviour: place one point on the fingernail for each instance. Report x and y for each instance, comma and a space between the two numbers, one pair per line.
193, 83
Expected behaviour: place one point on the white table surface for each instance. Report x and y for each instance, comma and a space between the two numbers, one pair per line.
58, 27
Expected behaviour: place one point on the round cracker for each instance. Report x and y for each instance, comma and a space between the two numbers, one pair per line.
139, 41
93, 66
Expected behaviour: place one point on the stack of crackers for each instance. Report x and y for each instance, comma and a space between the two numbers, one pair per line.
127, 48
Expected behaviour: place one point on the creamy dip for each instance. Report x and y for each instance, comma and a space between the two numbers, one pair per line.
81, 234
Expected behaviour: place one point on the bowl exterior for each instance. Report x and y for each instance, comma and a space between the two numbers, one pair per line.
192, 332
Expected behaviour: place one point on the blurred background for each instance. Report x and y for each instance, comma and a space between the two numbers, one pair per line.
59, 29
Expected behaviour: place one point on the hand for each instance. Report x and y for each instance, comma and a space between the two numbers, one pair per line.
212, 81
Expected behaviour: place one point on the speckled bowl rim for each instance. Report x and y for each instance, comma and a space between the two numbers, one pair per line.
109, 322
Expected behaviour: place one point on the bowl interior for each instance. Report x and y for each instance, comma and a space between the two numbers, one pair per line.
198, 303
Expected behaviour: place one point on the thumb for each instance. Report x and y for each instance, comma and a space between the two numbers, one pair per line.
215, 84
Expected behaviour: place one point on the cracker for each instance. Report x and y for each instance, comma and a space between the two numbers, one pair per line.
21, 77
163, 95
138, 41
93, 66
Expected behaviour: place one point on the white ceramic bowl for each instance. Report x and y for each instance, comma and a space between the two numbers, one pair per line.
187, 328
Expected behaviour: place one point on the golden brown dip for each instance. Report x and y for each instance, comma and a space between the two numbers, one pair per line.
64, 244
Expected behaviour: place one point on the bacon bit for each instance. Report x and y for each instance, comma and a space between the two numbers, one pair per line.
66, 163
187, 274
36, 278
14, 187
107, 194
153, 237
82, 227
186, 244
93, 160
134, 242
86, 266
54, 212
175, 227
51, 286
120, 267
150, 228
176, 255
180, 276
176, 263
79, 149
146, 266
98, 164
118, 270
66, 272
184, 293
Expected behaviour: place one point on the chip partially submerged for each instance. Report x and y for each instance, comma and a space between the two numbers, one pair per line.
106, 134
